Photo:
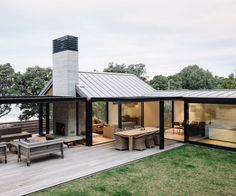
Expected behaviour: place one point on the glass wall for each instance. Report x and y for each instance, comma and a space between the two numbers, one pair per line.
131, 114
151, 114
212, 124
168, 114
99, 111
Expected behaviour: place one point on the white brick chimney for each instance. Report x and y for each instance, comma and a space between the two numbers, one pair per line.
65, 77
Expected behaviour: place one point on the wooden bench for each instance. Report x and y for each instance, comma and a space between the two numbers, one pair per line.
14, 136
39, 148
3, 150
10, 132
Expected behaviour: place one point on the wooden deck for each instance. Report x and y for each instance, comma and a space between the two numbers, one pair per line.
18, 179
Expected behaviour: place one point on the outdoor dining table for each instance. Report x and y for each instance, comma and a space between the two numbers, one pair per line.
136, 132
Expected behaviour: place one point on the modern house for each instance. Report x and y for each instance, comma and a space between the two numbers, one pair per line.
206, 117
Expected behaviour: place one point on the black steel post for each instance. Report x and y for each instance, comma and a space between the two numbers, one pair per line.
40, 119
89, 122
47, 118
186, 121
120, 115
77, 117
162, 129
142, 114
107, 112
173, 113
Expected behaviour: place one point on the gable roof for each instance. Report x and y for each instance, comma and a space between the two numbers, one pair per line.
106, 84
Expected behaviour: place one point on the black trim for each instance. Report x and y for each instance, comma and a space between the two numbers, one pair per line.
37, 99
212, 146
120, 115
89, 126
142, 114
211, 100
161, 122
186, 121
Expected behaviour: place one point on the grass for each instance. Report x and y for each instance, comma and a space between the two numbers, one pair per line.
188, 170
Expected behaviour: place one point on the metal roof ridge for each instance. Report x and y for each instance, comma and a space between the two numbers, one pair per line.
107, 73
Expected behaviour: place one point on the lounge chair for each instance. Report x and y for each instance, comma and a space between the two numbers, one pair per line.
139, 142
3, 150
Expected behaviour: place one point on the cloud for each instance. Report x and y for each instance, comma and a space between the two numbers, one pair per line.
165, 35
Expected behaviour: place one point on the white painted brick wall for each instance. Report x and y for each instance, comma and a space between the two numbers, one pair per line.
65, 73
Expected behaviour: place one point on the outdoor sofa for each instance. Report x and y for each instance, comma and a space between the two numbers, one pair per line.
39, 148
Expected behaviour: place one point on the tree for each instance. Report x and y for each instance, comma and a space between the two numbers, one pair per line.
228, 83
6, 86
31, 83
136, 69
194, 77
174, 82
115, 68
159, 82
191, 77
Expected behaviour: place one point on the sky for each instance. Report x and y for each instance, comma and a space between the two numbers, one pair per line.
166, 35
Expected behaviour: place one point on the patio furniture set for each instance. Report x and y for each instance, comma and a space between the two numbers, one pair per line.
11, 136
137, 138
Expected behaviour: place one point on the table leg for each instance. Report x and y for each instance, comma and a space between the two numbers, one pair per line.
5, 149
131, 143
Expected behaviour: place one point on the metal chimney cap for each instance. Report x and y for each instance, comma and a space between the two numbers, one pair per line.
67, 42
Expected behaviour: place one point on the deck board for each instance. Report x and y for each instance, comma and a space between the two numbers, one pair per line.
18, 179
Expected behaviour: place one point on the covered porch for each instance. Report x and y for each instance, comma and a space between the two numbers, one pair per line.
53, 116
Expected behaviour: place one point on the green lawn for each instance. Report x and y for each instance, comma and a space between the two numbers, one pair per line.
188, 170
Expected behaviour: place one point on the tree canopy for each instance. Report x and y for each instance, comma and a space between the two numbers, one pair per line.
194, 77
227, 83
136, 69
31, 83
191, 77
6, 86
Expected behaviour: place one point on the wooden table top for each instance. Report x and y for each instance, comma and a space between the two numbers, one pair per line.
135, 132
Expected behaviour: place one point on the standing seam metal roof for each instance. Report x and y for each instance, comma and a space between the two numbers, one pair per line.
105, 84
